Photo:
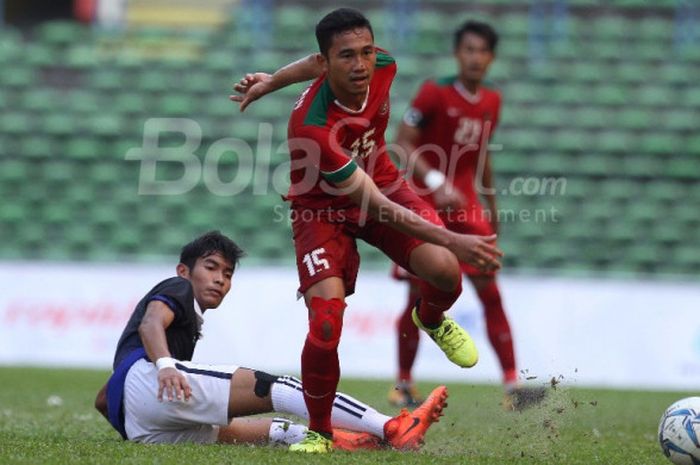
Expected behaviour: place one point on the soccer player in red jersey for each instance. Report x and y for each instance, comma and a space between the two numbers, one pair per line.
447, 130
343, 187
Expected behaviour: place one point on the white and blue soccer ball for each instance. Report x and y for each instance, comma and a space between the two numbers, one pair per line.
679, 432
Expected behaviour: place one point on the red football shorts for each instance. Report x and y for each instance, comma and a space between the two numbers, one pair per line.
325, 241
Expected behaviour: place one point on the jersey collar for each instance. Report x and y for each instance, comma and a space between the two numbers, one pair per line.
466, 95
351, 111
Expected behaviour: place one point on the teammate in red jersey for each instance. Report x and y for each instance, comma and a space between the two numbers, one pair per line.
447, 129
344, 187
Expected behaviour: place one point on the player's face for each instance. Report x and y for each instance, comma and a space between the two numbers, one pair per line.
211, 280
473, 56
350, 61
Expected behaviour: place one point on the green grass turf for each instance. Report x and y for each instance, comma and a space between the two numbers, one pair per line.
574, 426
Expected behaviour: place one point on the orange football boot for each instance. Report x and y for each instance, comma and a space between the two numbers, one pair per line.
352, 441
407, 430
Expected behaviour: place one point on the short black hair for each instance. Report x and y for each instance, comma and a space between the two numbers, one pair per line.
479, 28
337, 21
208, 244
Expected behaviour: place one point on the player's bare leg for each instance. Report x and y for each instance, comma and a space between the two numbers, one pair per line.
440, 287
245, 397
245, 431
254, 392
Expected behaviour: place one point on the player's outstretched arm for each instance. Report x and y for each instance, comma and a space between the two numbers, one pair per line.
171, 382
444, 193
479, 251
252, 86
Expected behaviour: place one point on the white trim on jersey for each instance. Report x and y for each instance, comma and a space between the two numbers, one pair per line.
351, 111
468, 96
331, 173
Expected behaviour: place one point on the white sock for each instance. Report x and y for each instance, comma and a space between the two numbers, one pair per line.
286, 432
348, 412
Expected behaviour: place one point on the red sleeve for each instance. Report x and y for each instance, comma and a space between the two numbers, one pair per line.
424, 106
324, 153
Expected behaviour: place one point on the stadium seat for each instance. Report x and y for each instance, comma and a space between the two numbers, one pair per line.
675, 73
589, 117
658, 29
656, 95
583, 71
634, 118
15, 123
37, 147
61, 33
641, 165
568, 94
691, 97
610, 95
660, 143
82, 102
38, 56
59, 124
570, 140
630, 73
17, 76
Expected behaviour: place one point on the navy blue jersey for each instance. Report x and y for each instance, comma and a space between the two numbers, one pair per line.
183, 332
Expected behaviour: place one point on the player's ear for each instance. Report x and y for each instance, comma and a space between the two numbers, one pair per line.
322, 62
183, 270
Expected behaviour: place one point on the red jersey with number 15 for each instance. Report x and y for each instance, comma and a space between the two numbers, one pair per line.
459, 123
328, 142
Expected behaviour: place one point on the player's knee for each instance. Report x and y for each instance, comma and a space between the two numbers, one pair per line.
326, 322
447, 275
101, 401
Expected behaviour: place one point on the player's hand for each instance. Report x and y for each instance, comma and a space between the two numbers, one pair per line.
173, 385
448, 197
479, 251
251, 87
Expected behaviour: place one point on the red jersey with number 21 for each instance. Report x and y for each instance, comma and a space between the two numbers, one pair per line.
328, 142
459, 123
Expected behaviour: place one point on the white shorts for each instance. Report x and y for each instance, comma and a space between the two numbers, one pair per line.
196, 420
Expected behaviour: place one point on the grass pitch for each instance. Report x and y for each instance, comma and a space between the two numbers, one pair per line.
46, 417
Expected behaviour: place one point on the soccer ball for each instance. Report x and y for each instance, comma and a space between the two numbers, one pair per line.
679, 432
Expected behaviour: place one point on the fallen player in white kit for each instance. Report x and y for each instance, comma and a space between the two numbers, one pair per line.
174, 400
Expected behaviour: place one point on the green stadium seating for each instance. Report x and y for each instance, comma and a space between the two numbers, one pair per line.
38, 55
15, 123
37, 147
57, 124
610, 95
612, 108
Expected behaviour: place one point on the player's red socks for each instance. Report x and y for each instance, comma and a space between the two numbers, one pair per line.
408, 337
498, 329
320, 368
435, 302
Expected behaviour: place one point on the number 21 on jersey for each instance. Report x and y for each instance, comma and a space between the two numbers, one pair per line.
468, 131
314, 263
